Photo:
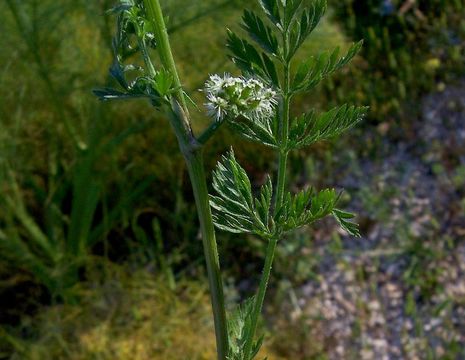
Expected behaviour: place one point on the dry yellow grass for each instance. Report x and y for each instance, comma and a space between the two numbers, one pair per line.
126, 317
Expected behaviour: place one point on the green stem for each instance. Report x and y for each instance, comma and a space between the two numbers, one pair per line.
281, 184
191, 149
284, 134
155, 15
209, 132
260, 298
197, 176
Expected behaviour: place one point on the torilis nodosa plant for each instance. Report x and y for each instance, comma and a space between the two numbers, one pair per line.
257, 105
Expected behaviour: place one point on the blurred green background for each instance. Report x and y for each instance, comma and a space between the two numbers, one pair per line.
100, 256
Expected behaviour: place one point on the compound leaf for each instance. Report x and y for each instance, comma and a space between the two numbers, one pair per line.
271, 9
234, 208
163, 82
344, 219
248, 59
260, 33
311, 72
256, 130
291, 11
305, 208
302, 28
240, 330
310, 128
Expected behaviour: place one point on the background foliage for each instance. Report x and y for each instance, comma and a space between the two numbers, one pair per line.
423, 46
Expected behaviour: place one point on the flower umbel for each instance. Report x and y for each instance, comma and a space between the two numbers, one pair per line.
231, 97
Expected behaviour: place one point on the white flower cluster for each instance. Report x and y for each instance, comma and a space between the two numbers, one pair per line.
231, 97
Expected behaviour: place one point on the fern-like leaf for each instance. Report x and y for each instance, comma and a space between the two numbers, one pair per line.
260, 33
311, 72
309, 206
291, 11
305, 208
250, 61
271, 9
310, 128
345, 221
256, 130
301, 27
234, 208
240, 329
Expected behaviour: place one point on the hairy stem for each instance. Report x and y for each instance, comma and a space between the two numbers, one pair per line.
197, 176
180, 122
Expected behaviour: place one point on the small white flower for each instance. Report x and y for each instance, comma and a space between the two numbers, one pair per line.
232, 97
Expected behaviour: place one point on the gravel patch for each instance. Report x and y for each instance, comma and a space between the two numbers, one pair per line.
398, 292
